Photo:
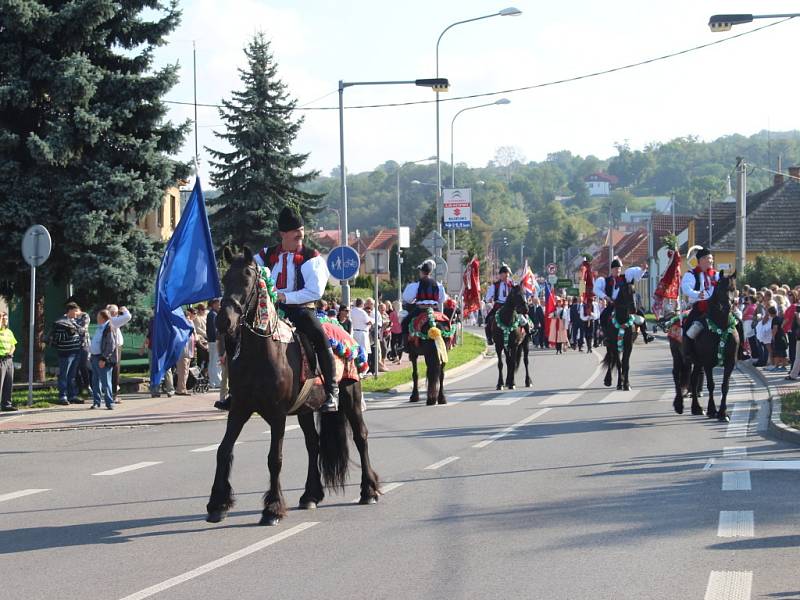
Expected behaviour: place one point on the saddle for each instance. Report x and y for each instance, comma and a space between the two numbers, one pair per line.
348, 362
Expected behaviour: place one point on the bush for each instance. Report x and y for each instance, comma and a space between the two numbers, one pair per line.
771, 269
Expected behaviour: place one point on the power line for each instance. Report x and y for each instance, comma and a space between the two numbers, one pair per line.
608, 71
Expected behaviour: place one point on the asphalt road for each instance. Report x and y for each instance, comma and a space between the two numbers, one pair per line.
564, 490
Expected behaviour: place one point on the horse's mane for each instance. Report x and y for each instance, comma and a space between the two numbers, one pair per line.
623, 305
719, 304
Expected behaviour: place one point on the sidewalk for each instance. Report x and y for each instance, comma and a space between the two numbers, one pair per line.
777, 386
136, 409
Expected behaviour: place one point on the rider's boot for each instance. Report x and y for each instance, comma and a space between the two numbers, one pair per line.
331, 403
224, 404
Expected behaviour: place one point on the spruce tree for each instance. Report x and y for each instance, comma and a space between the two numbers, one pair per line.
84, 142
260, 175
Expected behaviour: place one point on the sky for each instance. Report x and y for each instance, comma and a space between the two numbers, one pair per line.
742, 86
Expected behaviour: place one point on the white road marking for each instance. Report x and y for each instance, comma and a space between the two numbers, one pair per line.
734, 452
220, 562
740, 419
729, 585
133, 467
734, 481
667, 396
560, 399
210, 448
288, 428
504, 400
619, 396
508, 430
594, 375
735, 523
753, 465
441, 463
22, 493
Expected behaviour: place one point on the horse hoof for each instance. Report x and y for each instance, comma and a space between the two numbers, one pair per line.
528, 384
711, 414
368, 500
269, 520
723, 416
678, 406
442, 401
619, 386
414, 399
510, 387
430, 402
627, 387
309, 505
697, 411
499, 387
215, 516
607, 382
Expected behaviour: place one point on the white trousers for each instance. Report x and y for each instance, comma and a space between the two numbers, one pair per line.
214, 368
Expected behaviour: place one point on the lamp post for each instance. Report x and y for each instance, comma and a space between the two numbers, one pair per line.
718, 23
399, 257
452, 136
506, 12
437, 83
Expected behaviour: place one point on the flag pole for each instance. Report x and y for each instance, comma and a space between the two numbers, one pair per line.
194, 76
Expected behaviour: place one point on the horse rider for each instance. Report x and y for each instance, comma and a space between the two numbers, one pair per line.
698, 286
422, 294
497, 294
300, 275
607, 288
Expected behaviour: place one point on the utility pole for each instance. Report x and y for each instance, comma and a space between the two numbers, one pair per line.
610, 235
710, 233
672, 206
741, 214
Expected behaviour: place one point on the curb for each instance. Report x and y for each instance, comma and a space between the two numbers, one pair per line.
775, 426
407, 387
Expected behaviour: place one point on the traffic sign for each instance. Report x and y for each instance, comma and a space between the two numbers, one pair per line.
552, 269
377, 261
457, 208
343, 263
564, 283
433, 240
573, 291
36, 245
441, 268
552, 279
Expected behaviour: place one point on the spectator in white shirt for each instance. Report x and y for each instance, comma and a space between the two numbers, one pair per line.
119, 318
361, 322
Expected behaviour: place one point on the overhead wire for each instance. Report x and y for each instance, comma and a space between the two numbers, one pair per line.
305, 107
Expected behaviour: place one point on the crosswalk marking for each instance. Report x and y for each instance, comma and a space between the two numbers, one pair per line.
441, 463
504, 400
619, 396
560, 399
210, 448
733, 481
735, 523
729, 585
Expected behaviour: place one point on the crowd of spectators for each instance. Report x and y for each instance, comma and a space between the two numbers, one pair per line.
771, 323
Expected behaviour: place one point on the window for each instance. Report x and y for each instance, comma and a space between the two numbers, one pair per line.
173, 211
160, 217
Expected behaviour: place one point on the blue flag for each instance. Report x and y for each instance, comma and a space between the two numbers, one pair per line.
188, 274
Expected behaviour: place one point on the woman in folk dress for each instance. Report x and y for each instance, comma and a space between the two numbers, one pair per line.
558, 329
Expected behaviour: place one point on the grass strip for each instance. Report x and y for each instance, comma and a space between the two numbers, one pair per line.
472, 347
790, 409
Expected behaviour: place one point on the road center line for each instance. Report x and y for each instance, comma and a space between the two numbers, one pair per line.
511, 428
22, 493
619, 396
133, 467
210, 448
729, 585
735, 523
441, 463
288, 428
735, 481
220, 562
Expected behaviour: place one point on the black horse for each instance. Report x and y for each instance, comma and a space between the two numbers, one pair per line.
624, 313
510, 339
264, 378
434, 367
705, 351
682, 372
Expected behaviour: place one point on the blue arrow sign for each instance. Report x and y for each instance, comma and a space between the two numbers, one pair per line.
343, 262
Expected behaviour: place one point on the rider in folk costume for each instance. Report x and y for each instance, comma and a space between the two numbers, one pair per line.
300, 275
423, 293
497, 294
697, 285
666, 299
607, 288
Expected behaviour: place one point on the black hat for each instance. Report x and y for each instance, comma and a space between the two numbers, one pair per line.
289, 220
505, 269
702, 252
616, 262
427, 266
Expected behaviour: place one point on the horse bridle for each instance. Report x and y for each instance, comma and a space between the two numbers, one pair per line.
244, 310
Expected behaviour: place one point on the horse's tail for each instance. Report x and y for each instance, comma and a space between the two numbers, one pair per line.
334, 453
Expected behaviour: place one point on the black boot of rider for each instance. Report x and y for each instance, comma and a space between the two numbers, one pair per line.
224, 404
331, 403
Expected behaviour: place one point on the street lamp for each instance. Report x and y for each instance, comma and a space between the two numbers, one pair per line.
506, 12
399, 257
452, 128
718, 23
437, 84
